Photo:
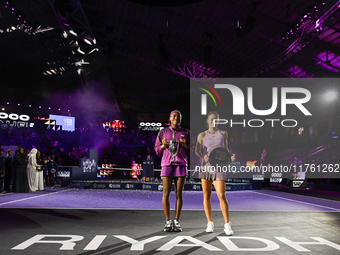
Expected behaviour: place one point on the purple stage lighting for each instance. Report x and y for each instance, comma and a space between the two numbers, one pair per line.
333, 65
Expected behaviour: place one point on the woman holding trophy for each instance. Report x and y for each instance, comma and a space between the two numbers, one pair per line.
173, 145
214, 142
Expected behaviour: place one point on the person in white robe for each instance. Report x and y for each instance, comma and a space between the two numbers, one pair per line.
32, 169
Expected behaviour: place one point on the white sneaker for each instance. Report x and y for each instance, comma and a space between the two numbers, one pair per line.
176, 226
168, 226
227, 229
210, 227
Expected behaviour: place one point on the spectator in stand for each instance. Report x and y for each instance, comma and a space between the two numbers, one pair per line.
9, 171
6, 132
2, 168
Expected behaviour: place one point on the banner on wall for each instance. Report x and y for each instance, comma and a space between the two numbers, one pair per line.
16, 120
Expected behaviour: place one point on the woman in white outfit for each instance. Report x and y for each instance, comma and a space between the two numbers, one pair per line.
31, 169
39, 173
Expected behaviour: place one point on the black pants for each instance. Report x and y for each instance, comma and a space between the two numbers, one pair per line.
51, 177
8, 180
1, 183
46, 180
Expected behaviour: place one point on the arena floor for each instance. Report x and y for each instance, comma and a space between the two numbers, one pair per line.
83, 221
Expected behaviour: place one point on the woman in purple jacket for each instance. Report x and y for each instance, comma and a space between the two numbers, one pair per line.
175, 170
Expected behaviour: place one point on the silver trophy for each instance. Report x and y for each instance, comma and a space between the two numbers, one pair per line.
173, 147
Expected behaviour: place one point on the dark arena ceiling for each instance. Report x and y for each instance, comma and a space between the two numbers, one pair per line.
146, 51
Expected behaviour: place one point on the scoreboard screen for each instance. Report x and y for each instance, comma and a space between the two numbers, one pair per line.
67, 123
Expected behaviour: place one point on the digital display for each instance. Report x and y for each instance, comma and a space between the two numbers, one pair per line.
136, 166
135, 170
67, 123
116, 125
150, 126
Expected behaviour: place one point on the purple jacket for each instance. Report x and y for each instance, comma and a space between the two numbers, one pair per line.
182, 155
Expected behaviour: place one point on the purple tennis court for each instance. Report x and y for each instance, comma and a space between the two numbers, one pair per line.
252, 200
90, 221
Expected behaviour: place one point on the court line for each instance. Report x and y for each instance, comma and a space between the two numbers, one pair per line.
335, 209
148, 209
321, 198
23, 199
327, 199
331, 208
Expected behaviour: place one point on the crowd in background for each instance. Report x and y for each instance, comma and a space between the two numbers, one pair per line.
132, 146
26, 171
